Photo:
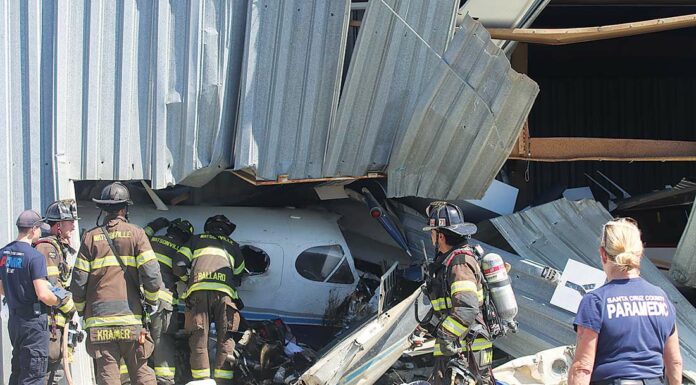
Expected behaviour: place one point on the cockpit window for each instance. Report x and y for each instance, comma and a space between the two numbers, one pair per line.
320, 263
256, 260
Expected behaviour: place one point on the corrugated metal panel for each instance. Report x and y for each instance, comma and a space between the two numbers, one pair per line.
399, 44
683, 268
465, 124
561, 230
113, 90
153, 82
123, 90
291, 79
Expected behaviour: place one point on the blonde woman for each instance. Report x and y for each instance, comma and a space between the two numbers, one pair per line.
626, 330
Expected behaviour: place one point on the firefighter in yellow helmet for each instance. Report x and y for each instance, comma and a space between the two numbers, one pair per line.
114, 261
463, 349
213, 263
55, 247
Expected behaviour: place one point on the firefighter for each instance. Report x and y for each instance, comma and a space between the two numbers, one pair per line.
114, 260
463, 347
60, 217
23, 281
165, 323
216, 264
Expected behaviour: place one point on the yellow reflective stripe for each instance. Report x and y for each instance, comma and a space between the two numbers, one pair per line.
123, 369
116, 320
110, 260
165, 371
239, 268
167, 297
145, 257
436, 350
200, 373
151, 295
441, 304
82, 264
80, 306
52, 271
67, 306
212, 286
479, 295
163, 259
60, 319
186, 252
224, 374
463, 286
454, 327
214, 251
149, 231
481, 344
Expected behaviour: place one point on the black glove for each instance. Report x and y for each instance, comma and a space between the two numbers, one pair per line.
158, 224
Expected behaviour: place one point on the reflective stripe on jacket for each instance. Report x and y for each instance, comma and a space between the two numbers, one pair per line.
458, 274
102, 293
56, 264
215, 261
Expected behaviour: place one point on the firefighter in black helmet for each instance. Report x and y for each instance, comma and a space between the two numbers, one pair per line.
115, 260
165, 322
216, 264
55, 247
463, 349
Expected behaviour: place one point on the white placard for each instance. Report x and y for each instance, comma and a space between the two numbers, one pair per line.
576, 280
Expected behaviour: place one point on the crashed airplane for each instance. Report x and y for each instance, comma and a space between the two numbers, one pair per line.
200, 90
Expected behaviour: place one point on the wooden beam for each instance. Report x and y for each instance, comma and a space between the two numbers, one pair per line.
250, 178
581, 35
574, 149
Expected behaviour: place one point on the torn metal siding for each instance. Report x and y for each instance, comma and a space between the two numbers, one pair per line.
399, 44
24, 147
465, 123
683, 269
124, 90
293, 62
153, 82
561, 230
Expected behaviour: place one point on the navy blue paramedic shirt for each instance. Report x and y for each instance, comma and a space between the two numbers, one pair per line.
20, 265
633, 319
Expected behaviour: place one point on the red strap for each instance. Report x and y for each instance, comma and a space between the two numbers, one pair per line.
461, 251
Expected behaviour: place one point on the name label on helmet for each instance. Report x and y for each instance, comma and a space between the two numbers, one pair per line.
113, 235
210, 275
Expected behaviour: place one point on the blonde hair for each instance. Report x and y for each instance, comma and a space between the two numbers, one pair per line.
622, 244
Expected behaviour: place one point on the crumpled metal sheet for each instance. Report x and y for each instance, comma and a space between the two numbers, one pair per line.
122, 89
555, 232
465, 123
400, 42
293, 62
683, 268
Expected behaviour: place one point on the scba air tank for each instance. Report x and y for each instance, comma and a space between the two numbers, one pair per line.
500, 288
